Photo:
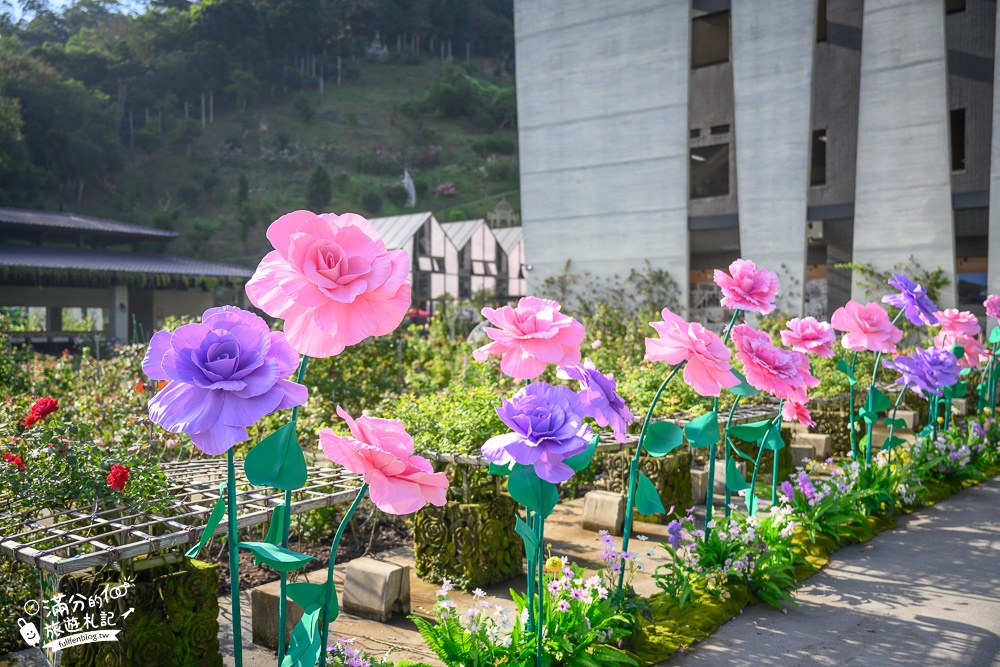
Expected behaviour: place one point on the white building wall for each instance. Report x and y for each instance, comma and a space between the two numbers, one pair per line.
602, 93
903, 193
993, 266
773, 43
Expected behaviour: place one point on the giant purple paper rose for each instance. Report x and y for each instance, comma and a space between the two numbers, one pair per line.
912, 299
224, 374
929, 370
547, 424
600, 398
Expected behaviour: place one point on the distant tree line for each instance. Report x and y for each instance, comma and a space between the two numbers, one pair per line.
70, 78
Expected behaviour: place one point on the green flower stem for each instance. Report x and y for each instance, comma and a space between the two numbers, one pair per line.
774, 479
725, 443
850, 413
530, 590
633, 470
895, 407
989, 373
935, 404
234, 560
993, 378
323, 620
540, 583
760, 452
710, 493
282, 601
869, 403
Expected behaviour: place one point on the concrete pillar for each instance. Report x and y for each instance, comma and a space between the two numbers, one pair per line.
118, 326
602, 111
773, 43
993, 265
903, 192
53, 318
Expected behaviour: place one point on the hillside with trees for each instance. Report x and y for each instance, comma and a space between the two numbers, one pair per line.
212, 118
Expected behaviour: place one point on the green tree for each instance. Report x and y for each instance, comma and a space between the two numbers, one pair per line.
319, 189
242, 191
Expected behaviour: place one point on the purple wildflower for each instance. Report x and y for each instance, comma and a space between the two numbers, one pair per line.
674, 529
913, 299
547, 424
787, 489
225, 373
806, 486
600, 397
929, 370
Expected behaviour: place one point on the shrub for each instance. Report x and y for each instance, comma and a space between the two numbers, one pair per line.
396, 194
501, 144
209, 183
242, 190
484, 122
305, 105
341, 181
372, 202
319, 189
189, 194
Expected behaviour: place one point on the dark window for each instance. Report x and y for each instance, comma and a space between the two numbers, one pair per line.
464, 287
423, 290
439, 264
463, 258
817, 174
821, 20
695, 134
958, 139
710, 171
423, 247
720, 129
710, 39
953, 6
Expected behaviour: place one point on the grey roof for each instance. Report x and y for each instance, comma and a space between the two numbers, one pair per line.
396, 230
105, 260
508, 237
461, 232
79, 223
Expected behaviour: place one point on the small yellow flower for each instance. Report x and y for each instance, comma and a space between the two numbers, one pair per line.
940, 420
554, 564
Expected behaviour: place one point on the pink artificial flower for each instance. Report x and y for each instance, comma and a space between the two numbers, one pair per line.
783, 373
992, 304
866, 327
796, 412
975, 353
746, 288
530, 337
809, 335
382, 451
708, 369
953, 321
332, 280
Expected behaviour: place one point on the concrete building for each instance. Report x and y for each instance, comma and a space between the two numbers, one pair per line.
801, 134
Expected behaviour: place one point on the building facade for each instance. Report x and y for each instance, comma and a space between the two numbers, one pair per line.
801, 134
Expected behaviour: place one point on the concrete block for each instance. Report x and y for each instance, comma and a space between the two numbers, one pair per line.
908, 416
375, 588
699, 481
264, 615
821, 443
802, 452
604, 510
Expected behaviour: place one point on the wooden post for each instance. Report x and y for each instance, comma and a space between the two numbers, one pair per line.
399, 42
185, 110
442, 51
211, 106
321, 80
203, 111
449, 48
338, 70
131, 133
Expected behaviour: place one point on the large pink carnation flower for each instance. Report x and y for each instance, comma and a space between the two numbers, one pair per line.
746, 288
992, 305
783, 373
809, 335
954, 321
530, 337
797, 412
708, 369
332, 280
382, 451
866, 327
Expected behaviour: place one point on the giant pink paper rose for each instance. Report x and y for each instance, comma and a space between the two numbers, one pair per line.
382, 451
783, 373
992, 305
809, 335
530, 337
332, 280
866, 327
975, 353
746, 288
954, 321
708, 369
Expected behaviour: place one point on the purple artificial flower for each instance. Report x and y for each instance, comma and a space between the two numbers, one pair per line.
547, 424
929, 370
674, 529
787, 489
224, 374
913, 299
806, 486
600, 397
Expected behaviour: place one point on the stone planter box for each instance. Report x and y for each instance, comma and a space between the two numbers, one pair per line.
473, 545
174, 622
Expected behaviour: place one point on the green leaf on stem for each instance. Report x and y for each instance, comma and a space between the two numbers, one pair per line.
894, 441
773, 440
277, 461
958, 351
647, 498
662, 438
276, 529
752, 502
751, 432
894, 423
867, 416
734, 478
307, 595
531, 491
994, 336
306, 641
703, 431
965, 371
499, 470
879, 401
276, 557
744, 388
580, 461
527, 535
845, 368
214, 519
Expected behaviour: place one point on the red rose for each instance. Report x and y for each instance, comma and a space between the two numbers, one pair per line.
29, 421
13, 460
44, 407
118, 477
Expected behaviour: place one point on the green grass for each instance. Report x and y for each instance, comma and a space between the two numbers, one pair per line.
355, 125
